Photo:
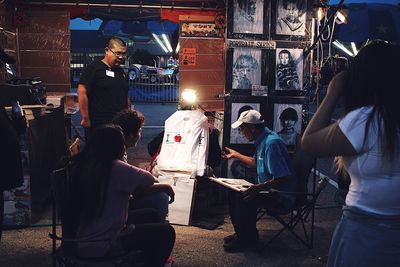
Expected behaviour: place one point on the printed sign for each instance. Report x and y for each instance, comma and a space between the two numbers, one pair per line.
189, 56
232, 43
199, 29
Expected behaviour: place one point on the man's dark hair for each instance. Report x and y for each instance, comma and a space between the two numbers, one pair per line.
289, 114
115, 40
129, 120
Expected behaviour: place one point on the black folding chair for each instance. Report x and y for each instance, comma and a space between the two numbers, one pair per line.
304, 204
66, 254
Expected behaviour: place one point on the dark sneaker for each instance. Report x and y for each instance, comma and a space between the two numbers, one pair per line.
230, 238
238, 246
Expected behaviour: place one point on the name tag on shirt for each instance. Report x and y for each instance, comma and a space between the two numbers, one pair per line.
110, 73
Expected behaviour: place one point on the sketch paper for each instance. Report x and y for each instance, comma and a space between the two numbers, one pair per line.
248, 16
289, 69
239, 185
291, 17
246, 70
287, 122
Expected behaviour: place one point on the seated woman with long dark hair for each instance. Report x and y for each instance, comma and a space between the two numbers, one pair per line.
366, 141
102, 184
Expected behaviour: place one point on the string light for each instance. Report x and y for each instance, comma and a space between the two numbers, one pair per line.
160, 43
343, 48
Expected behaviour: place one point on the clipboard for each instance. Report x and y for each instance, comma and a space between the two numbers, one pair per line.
238, 185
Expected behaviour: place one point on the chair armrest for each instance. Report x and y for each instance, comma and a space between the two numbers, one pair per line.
321, 184
285, 192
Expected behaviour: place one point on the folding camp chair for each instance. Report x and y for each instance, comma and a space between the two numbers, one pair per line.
304, 203
66, 254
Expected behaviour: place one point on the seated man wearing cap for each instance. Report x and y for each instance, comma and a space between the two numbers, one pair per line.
274, 170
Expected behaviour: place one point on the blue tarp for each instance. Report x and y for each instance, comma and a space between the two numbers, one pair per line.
370, 21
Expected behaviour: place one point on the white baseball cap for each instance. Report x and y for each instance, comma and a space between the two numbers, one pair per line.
249, 116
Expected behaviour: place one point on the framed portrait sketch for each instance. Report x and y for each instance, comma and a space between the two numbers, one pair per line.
248, 19
289, 69
234, 106
289, 119
237, 109
246, 69
290, 19
249, 68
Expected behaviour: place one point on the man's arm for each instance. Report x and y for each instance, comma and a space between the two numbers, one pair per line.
230, 153
83, 106
277, 165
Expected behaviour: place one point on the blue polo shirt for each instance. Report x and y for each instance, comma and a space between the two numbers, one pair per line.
273, 161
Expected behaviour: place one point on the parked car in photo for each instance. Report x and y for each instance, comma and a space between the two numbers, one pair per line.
151, 74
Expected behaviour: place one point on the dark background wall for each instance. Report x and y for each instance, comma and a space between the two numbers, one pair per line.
40, 43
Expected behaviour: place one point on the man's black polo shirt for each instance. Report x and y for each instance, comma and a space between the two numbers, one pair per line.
107, 95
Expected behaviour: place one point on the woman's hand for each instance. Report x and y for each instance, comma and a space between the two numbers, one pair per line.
229, 153
170, 192
75, 147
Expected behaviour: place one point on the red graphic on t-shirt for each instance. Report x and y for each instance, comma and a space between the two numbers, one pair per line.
178, 138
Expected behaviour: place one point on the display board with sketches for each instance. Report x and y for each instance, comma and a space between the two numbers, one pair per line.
267, 69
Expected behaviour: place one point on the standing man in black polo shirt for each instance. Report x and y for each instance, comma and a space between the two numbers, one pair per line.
103, 87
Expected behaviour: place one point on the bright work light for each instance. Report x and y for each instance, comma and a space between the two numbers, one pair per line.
189, 96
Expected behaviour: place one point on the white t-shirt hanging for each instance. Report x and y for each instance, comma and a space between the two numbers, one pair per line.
185, 142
